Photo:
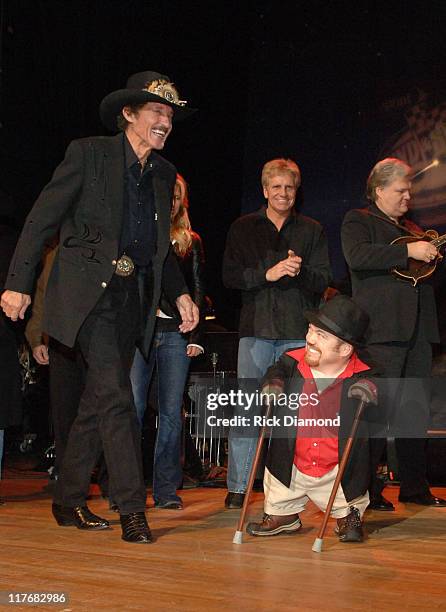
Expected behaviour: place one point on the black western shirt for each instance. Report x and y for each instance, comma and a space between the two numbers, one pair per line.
139, 231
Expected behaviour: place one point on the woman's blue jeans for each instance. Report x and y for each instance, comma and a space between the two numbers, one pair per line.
255, 355
168, 353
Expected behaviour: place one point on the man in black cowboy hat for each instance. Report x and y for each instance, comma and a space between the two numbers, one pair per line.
110, 200
303, 458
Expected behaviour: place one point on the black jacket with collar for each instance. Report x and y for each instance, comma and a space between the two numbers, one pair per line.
84, 202
281, 450
275, 309
394, 305
192, 265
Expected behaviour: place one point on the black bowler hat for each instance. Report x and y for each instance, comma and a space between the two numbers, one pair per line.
143, 87
341, 317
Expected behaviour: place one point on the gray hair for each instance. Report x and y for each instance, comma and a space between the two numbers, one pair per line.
384, 173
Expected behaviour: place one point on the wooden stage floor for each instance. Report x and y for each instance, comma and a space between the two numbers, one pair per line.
194, 566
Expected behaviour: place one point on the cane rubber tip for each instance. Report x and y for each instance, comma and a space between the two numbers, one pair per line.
317, 546
238, 537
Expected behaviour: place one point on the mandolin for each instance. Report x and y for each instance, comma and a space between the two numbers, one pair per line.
416, 270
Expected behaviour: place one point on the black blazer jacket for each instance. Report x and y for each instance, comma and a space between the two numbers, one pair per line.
84, 202
392, 304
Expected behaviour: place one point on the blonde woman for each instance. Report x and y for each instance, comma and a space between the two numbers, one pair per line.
171, 353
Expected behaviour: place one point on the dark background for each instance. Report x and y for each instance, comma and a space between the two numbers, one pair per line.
299, 79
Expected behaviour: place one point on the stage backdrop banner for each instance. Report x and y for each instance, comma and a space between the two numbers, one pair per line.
422, 143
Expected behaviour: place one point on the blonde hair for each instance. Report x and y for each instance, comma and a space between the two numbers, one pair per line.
384, 173
280, 166
180, 229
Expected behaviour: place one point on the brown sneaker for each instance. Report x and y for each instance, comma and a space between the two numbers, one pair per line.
272, 524
349, 528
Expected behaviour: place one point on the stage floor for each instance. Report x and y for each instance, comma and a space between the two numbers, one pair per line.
194, 566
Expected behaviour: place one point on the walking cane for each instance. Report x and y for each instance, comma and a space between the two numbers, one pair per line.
238, 536
365, 391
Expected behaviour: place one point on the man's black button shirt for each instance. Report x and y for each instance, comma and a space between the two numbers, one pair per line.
139, 231
275, 310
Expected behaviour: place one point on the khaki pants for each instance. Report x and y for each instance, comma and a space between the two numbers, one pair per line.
281, 500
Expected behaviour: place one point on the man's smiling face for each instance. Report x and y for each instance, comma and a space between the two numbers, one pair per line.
281, 193
150, 125
324, 349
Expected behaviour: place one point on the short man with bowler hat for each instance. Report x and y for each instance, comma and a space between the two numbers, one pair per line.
110, 201
303, 460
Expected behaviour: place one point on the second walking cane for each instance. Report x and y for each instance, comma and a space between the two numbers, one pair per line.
365, 391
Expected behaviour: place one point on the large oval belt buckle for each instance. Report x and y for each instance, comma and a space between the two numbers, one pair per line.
124, 266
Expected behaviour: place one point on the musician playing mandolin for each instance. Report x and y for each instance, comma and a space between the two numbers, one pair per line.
403, 318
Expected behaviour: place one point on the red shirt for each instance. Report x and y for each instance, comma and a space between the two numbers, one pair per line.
316, 451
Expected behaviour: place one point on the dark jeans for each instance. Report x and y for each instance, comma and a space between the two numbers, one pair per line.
168, 352
405, 360
106, 412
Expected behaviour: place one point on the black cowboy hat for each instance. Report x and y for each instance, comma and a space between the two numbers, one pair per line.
141, 88
341, 317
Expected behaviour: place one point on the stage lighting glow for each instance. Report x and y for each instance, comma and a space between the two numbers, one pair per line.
433, 164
